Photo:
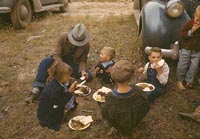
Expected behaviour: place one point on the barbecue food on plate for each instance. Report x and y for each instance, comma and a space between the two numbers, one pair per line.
146, 86
76, 124
81, 90
80, 122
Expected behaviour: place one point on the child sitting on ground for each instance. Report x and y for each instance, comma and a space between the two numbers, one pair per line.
127, 105
189, 55
55, 96
102, 69
157, 73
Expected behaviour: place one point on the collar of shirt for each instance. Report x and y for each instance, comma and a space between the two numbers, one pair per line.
105, 64
122, 95
65, 85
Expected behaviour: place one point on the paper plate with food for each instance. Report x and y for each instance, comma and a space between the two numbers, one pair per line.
146, 86
82, 90
80, 122
100, 94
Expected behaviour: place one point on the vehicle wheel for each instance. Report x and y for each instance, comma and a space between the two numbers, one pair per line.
21, 14
65, 7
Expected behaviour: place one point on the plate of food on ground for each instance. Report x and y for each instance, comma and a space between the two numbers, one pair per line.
100, 94
82, 90
80, 122
146, 86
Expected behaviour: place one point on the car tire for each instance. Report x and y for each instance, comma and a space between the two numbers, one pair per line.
65, 7
21, 14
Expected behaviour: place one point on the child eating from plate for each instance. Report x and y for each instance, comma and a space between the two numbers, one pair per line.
55, 96
157, 73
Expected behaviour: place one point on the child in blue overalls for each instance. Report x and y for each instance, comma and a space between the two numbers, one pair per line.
156, 74
103, 68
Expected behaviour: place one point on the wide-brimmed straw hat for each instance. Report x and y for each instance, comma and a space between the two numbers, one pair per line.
78, 35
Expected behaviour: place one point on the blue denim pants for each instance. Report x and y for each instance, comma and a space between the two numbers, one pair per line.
42, 72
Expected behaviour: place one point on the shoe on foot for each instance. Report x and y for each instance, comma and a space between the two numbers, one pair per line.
34, 95
28, 100
180, 85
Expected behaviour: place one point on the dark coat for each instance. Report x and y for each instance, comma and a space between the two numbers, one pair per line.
63, 48
124, 113
51, 105
103, 73
190, 42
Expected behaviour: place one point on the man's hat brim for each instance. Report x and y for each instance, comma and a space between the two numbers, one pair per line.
75, 42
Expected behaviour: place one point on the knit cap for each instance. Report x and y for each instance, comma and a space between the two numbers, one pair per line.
122, 71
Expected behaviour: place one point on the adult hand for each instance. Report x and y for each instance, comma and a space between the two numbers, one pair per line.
72, 87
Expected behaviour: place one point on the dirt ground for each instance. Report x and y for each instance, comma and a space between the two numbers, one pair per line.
110, 24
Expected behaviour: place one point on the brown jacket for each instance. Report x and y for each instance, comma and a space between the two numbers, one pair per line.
190, 42
63, 47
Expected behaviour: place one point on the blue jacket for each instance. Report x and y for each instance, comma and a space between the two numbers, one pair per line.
51, 105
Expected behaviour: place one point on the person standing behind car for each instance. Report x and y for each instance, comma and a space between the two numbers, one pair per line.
189, 55
72, 48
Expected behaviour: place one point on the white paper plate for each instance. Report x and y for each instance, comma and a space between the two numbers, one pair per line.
78, 118
146, 86
95, 97
83, 94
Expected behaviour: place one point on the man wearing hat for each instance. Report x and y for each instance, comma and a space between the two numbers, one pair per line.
72, 48
127, 105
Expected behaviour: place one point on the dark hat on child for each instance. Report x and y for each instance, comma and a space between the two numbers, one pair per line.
78, 35
122, 71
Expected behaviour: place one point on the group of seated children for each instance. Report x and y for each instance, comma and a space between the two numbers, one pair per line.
124, 108
127, 105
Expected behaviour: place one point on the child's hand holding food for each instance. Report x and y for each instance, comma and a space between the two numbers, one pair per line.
72, 87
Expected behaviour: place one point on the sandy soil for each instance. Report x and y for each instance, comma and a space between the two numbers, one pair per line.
99, 9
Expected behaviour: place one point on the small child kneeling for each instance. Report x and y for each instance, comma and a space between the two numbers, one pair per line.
127, 105
55, 96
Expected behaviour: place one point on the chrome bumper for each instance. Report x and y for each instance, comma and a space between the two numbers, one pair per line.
5, 10
167, 53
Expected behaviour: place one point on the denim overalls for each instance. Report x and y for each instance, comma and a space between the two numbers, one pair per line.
152, 79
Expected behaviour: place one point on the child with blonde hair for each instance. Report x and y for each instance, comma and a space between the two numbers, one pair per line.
55, 96
102, 69
189, 55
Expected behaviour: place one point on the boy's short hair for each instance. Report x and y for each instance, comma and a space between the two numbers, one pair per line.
59, 69
197, 12
122, 71
155, 49
109, 51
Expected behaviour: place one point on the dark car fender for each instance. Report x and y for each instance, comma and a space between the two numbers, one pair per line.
158, 29
7, 3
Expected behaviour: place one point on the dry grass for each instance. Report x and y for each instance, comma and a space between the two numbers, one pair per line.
19, 61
